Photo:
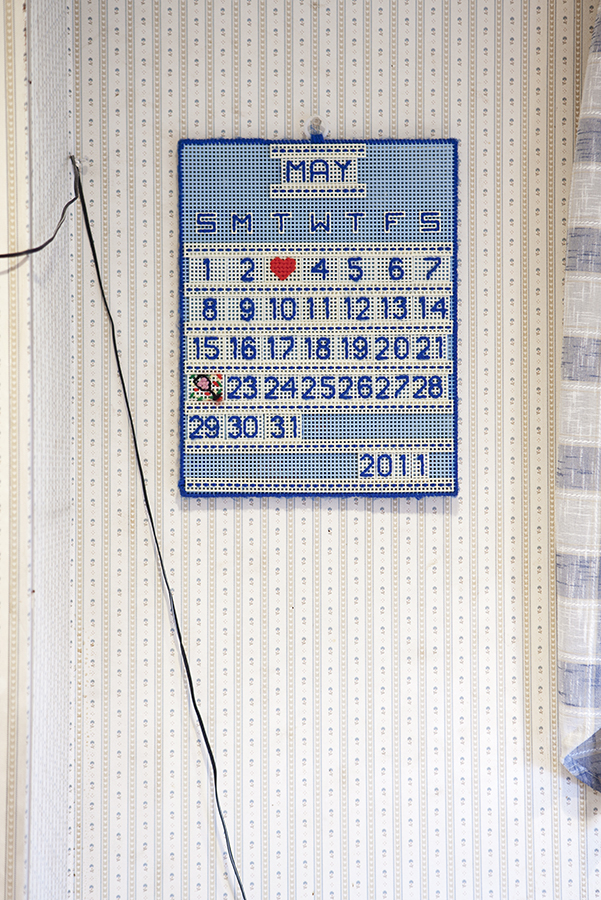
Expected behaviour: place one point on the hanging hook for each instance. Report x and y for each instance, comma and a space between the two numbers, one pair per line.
316, 128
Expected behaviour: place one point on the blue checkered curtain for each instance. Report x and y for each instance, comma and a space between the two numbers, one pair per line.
578, 522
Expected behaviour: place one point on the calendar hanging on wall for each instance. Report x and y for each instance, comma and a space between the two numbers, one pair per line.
318, 293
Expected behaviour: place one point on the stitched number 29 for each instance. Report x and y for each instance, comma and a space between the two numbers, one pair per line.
203, 427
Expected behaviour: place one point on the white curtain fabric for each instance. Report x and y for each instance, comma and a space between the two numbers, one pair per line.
579, 450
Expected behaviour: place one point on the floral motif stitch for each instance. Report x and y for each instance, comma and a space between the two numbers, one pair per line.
206, 387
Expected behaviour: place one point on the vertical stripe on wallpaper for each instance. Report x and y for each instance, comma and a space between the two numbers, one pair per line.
79, 759
377, 676
15, 451
131, 321
473, 829
499, 581
554, 294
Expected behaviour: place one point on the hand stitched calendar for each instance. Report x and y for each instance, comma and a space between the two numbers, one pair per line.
318, 317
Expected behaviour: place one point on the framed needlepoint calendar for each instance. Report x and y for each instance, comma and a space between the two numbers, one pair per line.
318, 295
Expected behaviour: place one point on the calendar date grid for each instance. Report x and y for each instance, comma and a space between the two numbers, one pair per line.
246, 344
308, 265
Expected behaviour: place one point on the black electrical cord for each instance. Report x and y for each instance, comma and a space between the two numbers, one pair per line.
79, 194
50, 239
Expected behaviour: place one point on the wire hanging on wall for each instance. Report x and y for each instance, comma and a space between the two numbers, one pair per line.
79, 195
184, 656
50, 239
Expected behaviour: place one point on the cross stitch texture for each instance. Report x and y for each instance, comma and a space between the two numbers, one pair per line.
318, 317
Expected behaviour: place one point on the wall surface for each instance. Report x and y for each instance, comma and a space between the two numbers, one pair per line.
36, 509
378, 676
15, 461
52, 509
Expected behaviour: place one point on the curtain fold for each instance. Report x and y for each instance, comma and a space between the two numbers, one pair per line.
578, 480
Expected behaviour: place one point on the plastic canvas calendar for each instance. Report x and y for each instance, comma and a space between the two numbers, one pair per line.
318, 317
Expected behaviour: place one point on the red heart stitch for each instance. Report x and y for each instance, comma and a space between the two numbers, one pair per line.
282, 268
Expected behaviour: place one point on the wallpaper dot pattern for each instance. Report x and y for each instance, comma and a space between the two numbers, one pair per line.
377, 675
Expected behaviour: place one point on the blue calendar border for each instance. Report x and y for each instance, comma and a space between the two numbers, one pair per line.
183, 142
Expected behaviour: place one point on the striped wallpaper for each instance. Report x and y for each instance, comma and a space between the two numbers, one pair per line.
378, 676
15, 464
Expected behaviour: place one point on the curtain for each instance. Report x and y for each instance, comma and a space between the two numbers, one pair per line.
578, 524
